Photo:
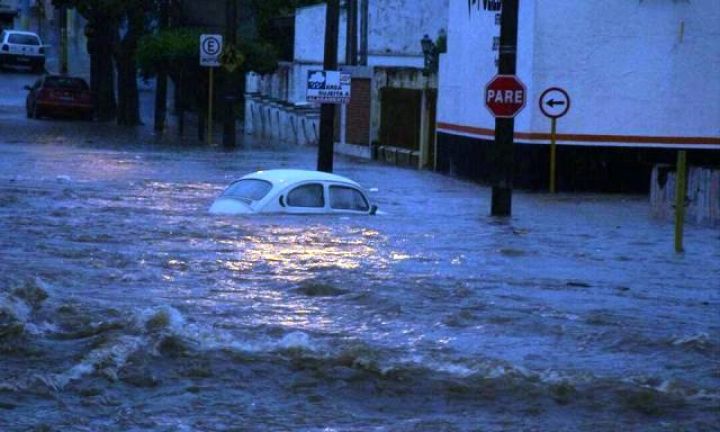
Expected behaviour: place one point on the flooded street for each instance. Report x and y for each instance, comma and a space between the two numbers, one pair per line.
125, 306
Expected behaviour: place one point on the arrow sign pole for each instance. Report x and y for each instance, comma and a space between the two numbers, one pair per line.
548, 97
553, 153
210, 108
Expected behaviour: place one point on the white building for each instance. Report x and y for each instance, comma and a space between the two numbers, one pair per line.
643, 77
276, 105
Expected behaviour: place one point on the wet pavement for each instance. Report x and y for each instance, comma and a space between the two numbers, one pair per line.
125, 306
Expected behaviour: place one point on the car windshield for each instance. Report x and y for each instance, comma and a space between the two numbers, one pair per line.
65, 83
248, 190
23, 39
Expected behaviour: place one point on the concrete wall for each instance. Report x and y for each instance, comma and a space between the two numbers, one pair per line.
270, 113
703, 194
395, 28
271, 120
310, 34
643, 72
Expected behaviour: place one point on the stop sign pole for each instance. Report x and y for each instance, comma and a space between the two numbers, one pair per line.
503, 151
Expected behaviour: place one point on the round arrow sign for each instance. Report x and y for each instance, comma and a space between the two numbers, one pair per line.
554, 102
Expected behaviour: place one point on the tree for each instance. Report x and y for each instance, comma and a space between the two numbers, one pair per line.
102, 26
113, 30
268, 11
133, 20
175, 52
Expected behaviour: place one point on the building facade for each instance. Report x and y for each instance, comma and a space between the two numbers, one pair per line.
389, 35
642, 76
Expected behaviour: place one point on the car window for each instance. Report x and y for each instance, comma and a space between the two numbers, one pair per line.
65, 83
23, 39
309, 195
347, 198
248, 189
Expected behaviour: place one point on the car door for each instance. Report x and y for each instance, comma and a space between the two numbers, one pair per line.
306, 198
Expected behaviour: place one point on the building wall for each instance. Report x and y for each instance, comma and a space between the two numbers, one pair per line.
358, 113
647, 68
310, 34
636, 70
395, 28
470, 63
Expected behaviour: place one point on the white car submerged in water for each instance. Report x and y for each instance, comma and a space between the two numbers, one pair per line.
294, 192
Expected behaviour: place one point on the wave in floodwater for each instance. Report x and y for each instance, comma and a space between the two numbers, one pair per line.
78, 350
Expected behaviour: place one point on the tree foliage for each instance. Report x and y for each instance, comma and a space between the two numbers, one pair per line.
267, 13
167, 50
267, 10
171, 50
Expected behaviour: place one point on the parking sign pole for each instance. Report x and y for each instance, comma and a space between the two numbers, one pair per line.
210, 48
210, 107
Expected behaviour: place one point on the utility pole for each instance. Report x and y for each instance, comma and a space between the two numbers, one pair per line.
504, 153
351, 41
63, 40
364, 14
327, 111
161, 81
230, 77
25, 17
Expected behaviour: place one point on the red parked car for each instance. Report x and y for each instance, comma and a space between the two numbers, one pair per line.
59, 95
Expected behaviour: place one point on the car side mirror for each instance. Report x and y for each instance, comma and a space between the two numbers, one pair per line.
27, 87
373, 209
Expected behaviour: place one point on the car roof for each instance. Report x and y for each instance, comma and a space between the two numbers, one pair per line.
22, 33
296, 175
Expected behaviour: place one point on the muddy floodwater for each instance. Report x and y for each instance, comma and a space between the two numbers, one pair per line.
125, 306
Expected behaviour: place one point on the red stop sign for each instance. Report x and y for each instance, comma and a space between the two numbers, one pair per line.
505, 96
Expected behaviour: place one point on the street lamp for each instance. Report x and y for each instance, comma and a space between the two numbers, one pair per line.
430, 53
